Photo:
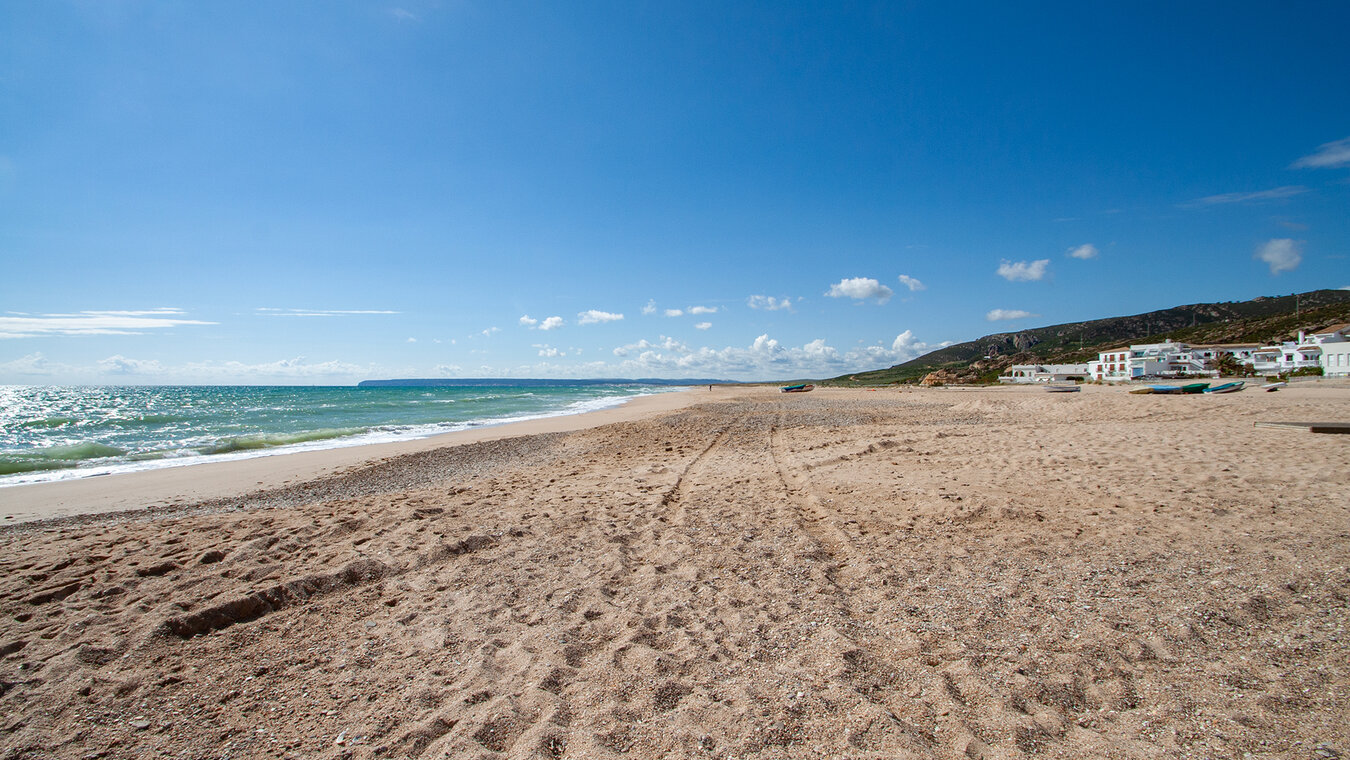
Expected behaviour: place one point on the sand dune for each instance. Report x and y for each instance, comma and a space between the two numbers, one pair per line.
997, 573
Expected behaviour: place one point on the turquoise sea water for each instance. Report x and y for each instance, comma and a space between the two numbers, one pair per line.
56, 433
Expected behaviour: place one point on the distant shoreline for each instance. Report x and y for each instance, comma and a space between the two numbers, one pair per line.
202, 480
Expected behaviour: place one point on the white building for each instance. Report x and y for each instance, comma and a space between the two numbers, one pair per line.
1336, 359
1043, 373
1242, 352
1335, 344
1167, 359
1111, 365
1326, 349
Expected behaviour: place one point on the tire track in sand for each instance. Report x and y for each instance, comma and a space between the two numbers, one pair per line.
675, 499
811, 512
900, 722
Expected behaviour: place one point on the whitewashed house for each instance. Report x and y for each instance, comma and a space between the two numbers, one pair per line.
1166, 359
1336, 359
1242, 352
1328, 349
1111, 365
1043, 373
1325, 349
1335, 344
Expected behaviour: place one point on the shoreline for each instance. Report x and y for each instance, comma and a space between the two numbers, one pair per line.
202, 481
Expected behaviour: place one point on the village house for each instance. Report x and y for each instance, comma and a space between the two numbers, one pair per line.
1328, 349
1242, 352
1166, 359
1043, 373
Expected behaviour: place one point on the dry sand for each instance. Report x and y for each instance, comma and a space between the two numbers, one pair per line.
994, 573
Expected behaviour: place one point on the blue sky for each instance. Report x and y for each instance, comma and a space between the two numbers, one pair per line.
265, 192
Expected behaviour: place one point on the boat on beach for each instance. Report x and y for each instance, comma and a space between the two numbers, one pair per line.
1273, 386
1165, 389
803, 388
1062, 389
1236, 385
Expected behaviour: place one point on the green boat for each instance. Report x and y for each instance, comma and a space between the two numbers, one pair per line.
1194, 388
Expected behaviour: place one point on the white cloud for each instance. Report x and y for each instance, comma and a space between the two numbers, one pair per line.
549, 352
527, 321
1023, 271
118, 368
764, 359
491, 331
402, 14
447, 369
287, 370
121, 365
769, 303
702, 325
764, 345
906, 343
1276, 193
271, 312
1330, 155
665, 344
860, 288
412, 340
650, 308
818, 350
122, 368
1282, 254
912, 283
32, 365
674, 312
902, 349
551, 323
996, 315
595, 317
93, 323
697, 310
1085, 251
162, 311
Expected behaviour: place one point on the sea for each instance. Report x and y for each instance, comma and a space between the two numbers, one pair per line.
52, 433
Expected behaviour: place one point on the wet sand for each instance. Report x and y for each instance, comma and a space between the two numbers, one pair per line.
994, 573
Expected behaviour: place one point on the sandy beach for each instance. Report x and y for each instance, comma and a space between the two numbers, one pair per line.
949, 573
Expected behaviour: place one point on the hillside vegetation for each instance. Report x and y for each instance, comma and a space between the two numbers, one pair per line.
1260, 320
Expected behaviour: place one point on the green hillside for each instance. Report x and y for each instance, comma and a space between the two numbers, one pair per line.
1260, 320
